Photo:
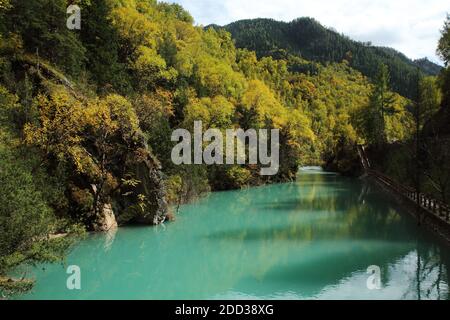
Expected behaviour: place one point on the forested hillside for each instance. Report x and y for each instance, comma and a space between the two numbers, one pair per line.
86, 116
423, 161
307, 38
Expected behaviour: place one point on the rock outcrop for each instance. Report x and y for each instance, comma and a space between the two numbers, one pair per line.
145, 202
107, 221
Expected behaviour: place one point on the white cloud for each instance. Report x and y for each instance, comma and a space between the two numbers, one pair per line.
410, 26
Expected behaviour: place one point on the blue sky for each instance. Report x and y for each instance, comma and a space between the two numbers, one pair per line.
410, 26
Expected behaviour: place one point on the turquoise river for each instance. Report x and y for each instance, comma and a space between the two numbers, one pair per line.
310, 239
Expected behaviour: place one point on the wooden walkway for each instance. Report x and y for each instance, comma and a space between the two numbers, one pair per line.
427, 203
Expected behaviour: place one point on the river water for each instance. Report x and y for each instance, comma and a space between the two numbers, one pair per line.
311, 239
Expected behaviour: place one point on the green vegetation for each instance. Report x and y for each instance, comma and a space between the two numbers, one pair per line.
423, 161
87, 116
307, 38
29, 199
381, 105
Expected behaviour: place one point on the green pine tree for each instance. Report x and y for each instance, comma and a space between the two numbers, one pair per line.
381, 104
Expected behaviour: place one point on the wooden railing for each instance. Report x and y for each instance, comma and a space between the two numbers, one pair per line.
424, 201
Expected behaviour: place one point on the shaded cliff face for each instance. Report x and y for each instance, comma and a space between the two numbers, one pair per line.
130, 187
144, 203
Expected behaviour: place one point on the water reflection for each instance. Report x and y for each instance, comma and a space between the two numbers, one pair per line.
312, 239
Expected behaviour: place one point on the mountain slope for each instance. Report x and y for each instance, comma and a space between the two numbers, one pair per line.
428, 66
308, 38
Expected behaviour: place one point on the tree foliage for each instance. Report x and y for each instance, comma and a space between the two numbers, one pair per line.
307, 38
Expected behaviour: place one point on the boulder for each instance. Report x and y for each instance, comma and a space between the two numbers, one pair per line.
107, 220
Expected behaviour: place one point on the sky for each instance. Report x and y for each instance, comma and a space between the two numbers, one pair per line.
410, 26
